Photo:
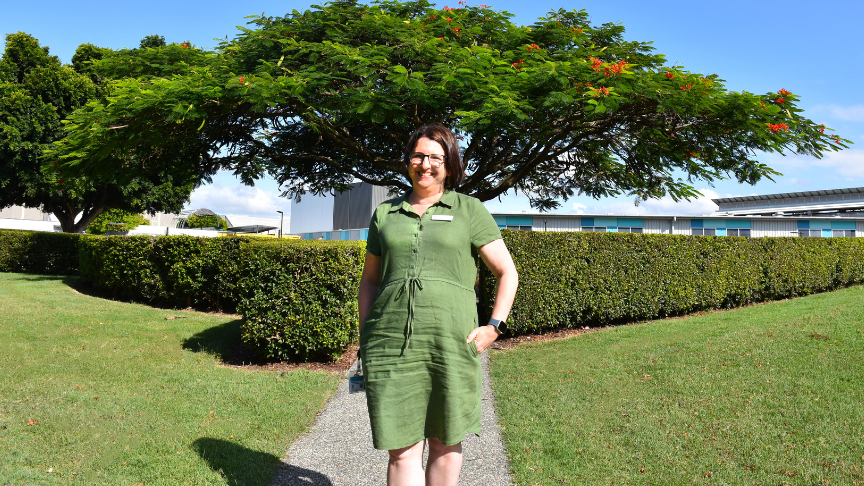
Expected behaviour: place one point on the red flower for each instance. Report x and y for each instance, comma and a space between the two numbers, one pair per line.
685, 88
777, 127
670, 75
780, 100
449, 19
241, 79
456, 29
783, 92
603, 91
441, 38
184, 45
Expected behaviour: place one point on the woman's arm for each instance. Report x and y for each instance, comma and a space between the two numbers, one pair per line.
370, 281
500, 263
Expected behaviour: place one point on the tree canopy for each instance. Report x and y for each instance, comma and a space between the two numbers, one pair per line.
329, 95
37, 93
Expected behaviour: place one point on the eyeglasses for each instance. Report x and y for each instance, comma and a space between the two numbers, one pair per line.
435, 160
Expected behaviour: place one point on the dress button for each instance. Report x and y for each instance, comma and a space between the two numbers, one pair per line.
421, 227
415, 250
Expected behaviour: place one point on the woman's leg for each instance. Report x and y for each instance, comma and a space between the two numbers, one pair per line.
445, 463
406, 466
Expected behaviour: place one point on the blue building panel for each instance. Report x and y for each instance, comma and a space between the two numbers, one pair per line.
606, 222
611, 229
803, 224
738, 223
697, 223
721, 231
826, 233
520, 220
630, 222
587, 221
500, 220
843, 225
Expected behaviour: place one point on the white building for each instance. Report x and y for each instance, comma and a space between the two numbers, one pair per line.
830, 213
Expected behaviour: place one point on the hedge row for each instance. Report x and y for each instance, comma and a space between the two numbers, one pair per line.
298, 298
39, 252
574, 279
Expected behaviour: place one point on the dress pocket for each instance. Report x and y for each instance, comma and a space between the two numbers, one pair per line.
472, 348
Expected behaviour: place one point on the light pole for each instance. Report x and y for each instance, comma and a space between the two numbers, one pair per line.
281, 217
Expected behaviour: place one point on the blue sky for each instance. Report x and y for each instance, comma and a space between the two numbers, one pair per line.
813, 49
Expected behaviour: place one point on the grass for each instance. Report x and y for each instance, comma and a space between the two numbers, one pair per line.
764, 395
116, 394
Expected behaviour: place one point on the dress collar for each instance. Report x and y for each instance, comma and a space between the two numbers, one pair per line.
447, 199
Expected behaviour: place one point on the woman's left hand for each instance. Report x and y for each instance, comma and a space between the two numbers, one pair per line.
483, 337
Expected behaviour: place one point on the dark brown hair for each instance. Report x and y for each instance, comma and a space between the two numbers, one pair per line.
441, 134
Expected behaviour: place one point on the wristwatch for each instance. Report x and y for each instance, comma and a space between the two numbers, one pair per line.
500, 326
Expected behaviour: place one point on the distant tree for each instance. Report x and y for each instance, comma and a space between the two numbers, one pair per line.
152, 41
37, 93
322, 97
116, 220
195, 221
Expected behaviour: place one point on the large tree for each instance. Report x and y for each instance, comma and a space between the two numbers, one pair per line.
329, 95
36, 93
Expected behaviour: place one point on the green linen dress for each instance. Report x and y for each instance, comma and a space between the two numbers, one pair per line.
422, 377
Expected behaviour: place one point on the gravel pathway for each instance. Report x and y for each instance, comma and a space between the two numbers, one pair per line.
338, 451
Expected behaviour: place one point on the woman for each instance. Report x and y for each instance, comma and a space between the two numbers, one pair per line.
419, 337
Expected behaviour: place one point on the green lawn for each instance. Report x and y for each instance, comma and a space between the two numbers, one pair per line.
116, 394
765, 395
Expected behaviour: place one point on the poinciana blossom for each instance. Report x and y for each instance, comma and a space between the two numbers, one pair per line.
670, 75
778, 126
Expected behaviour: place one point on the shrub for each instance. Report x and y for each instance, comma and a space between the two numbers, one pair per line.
298, 298
115, 220
582, 278
195, 221
39, 252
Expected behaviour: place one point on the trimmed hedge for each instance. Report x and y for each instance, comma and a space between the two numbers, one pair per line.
298, 298
582, 278
39, 252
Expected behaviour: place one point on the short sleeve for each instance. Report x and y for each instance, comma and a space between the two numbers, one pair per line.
373, 243
484, 229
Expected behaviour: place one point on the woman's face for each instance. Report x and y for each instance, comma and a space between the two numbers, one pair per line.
423, 176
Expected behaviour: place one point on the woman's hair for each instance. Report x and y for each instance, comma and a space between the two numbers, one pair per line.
441, 134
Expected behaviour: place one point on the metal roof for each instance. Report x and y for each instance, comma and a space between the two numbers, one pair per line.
784, 195
253, 228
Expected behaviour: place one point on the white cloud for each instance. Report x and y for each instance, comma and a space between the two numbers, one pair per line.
239, 199
579, 208
847, 163
664, 206
854, 113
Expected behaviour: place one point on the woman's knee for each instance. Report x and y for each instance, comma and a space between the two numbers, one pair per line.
413, 452
439, 449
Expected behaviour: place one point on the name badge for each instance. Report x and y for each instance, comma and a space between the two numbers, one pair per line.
442, 217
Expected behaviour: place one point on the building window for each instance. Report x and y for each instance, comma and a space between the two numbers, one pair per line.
629, 229
703, 231
514, 227
599, 229
813, 233
745, 232
836, 233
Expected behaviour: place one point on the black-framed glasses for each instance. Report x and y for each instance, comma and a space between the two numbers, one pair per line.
435, 160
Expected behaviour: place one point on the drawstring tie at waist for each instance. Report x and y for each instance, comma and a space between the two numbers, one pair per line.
411, 285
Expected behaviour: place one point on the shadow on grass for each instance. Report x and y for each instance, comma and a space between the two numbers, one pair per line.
225, 342
245, 467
